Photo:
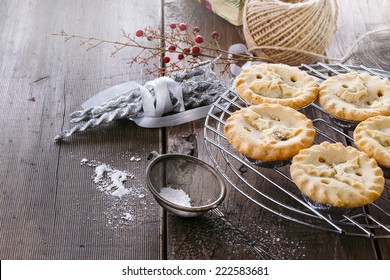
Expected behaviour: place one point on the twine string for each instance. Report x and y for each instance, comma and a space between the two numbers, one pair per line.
293, 31
317, 55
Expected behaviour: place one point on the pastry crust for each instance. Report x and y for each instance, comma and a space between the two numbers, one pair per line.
372, 136
355, 96
276, 83
336, 175
269, 132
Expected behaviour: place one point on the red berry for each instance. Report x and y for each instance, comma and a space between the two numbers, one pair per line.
195, 29
182, 26
171, 48
199, 39
215, 35
139, 33
180, 56
172, 25
195, 50
186, 50
166, 59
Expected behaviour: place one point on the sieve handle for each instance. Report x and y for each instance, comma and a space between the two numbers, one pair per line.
153, 155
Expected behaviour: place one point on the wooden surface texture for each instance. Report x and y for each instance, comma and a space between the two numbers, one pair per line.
50, 206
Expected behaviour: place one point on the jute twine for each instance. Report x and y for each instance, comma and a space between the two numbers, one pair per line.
289, 31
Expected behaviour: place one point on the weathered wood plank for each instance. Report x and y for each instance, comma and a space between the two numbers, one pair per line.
372, 52
50, 206
357, 18
246, 227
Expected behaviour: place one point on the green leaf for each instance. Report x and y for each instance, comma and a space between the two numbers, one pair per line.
236, 3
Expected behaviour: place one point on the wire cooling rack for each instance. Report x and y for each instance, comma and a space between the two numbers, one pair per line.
273, 189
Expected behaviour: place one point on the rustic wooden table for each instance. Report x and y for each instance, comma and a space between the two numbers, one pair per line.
50, 206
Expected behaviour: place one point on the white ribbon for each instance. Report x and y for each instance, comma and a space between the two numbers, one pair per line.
162, 86
175, 119
154, 106
109, 94
239, 49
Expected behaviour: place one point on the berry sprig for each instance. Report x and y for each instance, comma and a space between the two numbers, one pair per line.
178, 47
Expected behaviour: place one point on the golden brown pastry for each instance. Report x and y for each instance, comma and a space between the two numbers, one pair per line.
355, 96
276, 83
336, 175
372, 136
269, 132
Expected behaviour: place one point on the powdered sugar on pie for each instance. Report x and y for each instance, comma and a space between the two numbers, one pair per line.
336, 175
277, 84
355, 96
269, 132
372, 136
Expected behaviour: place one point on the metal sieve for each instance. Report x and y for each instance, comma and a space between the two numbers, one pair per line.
189, 174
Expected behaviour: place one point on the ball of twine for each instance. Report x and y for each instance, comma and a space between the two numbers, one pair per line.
289, 31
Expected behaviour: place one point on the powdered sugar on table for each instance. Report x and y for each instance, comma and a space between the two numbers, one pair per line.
111, 181
126, 199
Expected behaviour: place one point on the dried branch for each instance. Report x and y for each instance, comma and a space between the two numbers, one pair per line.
177, 45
